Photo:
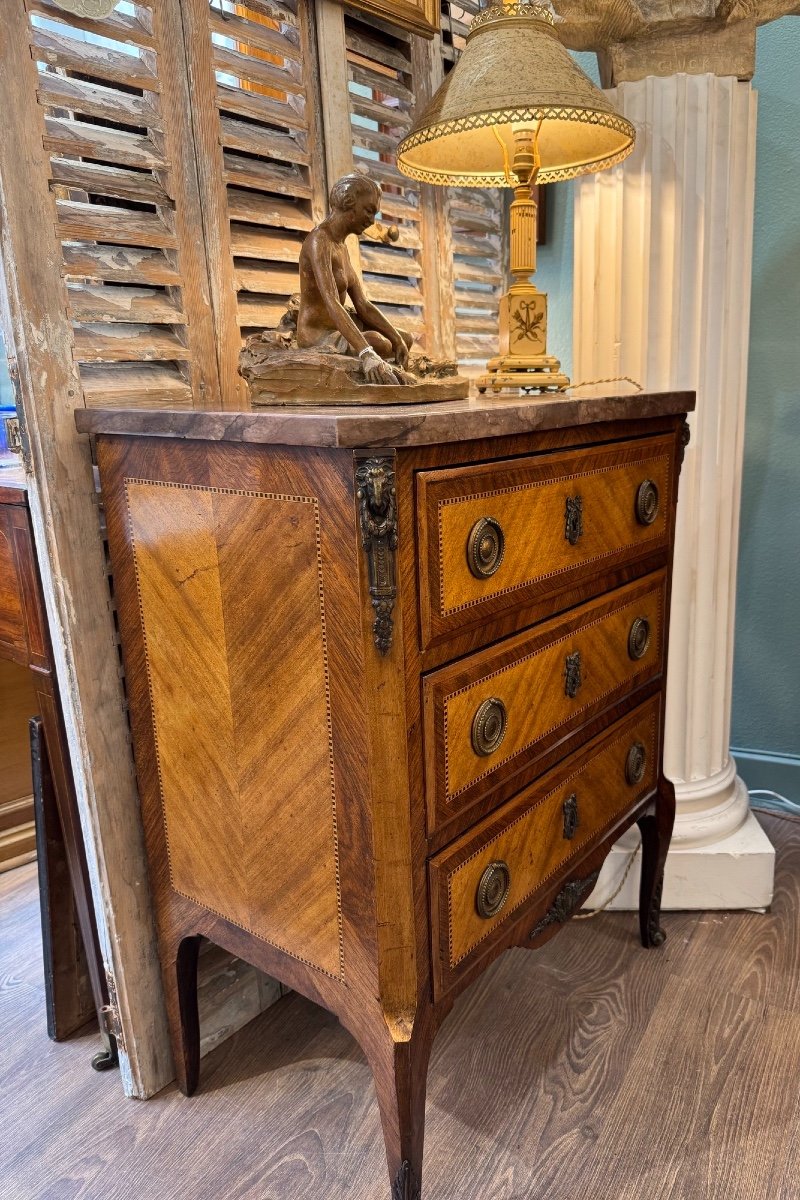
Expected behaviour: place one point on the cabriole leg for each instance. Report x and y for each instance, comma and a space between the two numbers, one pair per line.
656, 829
400, 1070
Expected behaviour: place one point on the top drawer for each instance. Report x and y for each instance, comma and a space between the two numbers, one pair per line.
501, 535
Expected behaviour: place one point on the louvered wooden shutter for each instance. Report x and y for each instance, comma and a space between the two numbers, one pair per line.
381, 97
187, 162
254, 85
477, 221
126, 202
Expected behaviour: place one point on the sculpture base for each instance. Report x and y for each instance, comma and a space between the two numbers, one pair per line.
317, 396
541, 373
289, 377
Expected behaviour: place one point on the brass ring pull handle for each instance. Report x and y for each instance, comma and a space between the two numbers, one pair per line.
647, 502
573, 674
573, 520
493, 889
639, 638
635, 764
485, 547
489, 727
571, 819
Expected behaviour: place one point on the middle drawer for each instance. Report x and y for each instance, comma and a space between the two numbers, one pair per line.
487, 717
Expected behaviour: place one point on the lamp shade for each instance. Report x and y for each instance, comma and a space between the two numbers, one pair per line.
513, 74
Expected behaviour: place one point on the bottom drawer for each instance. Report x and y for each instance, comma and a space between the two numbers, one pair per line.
486, 879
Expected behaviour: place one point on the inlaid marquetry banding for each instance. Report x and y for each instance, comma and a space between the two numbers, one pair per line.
334, 968
539, 883
569, 717
645, 533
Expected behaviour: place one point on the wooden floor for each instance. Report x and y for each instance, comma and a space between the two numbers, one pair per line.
590, 1069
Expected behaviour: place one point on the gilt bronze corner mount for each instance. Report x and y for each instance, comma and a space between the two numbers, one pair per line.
377, 507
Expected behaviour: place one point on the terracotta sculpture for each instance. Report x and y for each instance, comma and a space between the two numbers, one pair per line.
327, 279
325, 352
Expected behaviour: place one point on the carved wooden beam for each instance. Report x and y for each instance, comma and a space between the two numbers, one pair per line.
602, 24
771, 10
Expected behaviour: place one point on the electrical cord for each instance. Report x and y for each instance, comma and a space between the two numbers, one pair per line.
573, 387
774, 804
587, 916
779, 806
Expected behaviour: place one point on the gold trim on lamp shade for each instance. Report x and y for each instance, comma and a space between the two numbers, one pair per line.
514, 72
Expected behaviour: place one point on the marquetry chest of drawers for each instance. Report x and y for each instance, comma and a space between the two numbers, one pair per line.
396, 684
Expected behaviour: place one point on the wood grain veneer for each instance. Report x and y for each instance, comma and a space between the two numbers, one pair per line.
296, 771
527, 674
528, 499
12, 621
231, 594
528, 835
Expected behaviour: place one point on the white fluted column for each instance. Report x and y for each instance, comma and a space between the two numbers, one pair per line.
663, 261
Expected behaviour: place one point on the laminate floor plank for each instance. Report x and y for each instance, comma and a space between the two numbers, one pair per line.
759, 958
698, 1115
591, 1067
531, 1056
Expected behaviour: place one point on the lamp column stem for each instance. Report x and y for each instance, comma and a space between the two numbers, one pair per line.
523, 234
523, 361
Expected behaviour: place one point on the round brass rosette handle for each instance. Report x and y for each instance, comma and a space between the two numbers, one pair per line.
647, 502
639, 638
635, 764
493, 889
485, 547
489, 727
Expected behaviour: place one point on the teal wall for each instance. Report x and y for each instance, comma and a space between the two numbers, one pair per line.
554, 259
766, 692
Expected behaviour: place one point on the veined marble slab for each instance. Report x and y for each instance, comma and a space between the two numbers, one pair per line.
412, 425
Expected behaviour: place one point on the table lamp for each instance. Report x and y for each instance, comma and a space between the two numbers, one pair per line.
515, 111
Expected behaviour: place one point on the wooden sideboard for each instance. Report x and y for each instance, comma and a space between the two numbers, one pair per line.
396, 685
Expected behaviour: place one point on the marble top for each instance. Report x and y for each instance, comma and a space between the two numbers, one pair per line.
398, 425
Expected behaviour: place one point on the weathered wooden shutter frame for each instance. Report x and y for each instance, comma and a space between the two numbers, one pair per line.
209, 142
426, 64
63, 502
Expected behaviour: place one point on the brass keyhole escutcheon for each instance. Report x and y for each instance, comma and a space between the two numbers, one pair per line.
647, 502
639, 638
493, 889
485, 547
573, 520
489, 727
635, 764
571, 821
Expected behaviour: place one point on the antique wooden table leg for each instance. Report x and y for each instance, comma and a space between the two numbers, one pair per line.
399, 1064
656, 830
59, 842
67, 994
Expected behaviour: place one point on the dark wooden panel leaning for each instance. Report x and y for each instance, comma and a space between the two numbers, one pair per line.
271, 600
76, 983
